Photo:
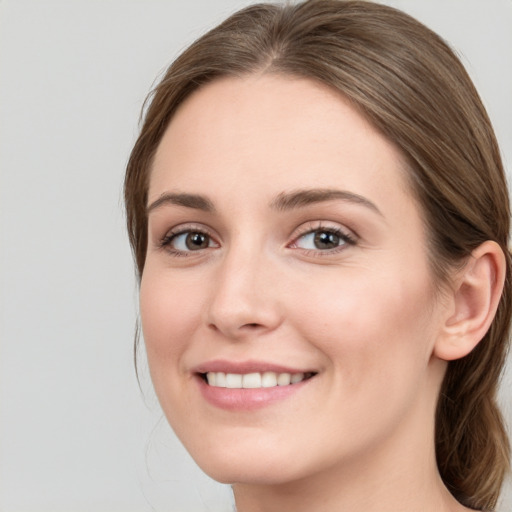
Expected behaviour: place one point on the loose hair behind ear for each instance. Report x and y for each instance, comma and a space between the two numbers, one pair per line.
408, 83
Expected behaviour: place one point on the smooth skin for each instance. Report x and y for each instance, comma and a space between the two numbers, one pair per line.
238, 269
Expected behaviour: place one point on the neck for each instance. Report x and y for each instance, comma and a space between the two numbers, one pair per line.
400, 489
355, 488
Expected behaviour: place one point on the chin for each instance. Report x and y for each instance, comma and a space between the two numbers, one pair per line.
247, 464
259, 473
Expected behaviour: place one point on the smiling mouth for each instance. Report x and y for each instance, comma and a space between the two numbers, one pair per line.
254, 380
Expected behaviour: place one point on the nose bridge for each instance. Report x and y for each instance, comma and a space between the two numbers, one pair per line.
243, 298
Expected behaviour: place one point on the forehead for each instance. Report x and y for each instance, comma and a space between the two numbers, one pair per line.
272, 133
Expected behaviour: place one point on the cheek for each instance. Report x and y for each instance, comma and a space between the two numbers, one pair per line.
375, 328
169, 315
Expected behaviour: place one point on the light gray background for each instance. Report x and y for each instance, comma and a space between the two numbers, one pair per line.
75, 433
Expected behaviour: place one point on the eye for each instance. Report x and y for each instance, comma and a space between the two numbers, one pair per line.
187, 241
323, 239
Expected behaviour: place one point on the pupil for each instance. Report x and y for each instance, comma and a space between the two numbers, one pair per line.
326, 240
196, 241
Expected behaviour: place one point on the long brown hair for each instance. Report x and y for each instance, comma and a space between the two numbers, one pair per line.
409, 84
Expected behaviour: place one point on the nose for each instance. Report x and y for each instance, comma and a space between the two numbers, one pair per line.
244, 296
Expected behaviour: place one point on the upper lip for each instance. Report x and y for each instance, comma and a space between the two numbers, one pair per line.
243, 367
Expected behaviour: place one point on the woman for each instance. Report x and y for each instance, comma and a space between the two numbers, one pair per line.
319, 217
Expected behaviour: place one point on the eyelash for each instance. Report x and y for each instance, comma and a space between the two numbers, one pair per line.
346, 238
170, 236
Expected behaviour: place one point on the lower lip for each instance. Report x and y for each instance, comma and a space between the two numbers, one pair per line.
247, 399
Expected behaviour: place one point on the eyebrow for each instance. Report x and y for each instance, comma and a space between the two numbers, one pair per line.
299, 198
195, 201
282, 202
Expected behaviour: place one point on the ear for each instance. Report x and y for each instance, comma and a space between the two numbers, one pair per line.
473, 302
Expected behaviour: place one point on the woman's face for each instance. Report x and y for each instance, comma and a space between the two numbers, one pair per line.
287, 261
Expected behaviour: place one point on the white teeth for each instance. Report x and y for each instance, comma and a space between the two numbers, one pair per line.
284, 379
269, 380
233, 380
210, 377
253, 380
220, 379
296, 377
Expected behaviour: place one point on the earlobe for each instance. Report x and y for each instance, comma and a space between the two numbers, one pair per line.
473, 302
